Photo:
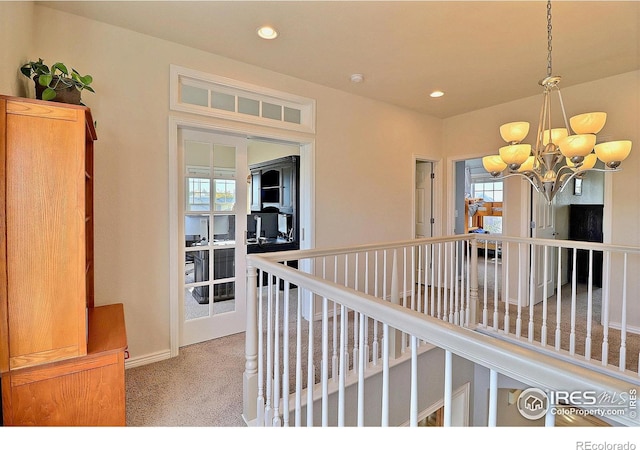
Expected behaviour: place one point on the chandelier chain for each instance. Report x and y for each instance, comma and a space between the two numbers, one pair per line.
549, 72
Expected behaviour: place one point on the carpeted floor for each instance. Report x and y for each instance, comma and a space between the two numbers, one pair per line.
201, 387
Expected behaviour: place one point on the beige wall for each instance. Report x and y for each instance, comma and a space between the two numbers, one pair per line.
363, 160
16, 38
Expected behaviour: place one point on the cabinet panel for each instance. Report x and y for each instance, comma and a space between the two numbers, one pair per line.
89, 396
45, 238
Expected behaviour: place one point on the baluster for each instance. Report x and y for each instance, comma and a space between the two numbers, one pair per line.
375, 322
493, 398
448, 387
520, 287
268, 412
532, 291
334, 354
433, 281
445, 300
605, 308
543, 330
414, 298
384, 421
310, 369
325, 362
485, 310
421, 272
355, 323
587, 343
574, 277
366, 319
505, 271
623, 328
439, 302
559, 301
496, 288
473, 283
335, 280
298, 398
456, 298
405, 301
451, 282
343, 369
467, 247
277, 422
361, 374
549, 418
413, 407
285, 353
261, 400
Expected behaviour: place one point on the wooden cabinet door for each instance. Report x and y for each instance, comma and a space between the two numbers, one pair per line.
45, 233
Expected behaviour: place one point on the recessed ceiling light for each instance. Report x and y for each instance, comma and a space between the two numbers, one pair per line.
357, 78
436, 94
267, 32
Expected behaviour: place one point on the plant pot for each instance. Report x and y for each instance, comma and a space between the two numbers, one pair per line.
64, 94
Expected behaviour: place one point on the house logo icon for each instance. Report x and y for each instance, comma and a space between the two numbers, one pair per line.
533, 403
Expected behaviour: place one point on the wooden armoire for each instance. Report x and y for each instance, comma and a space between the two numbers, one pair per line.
61, 357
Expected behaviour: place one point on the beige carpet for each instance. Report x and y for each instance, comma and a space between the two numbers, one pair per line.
201, 387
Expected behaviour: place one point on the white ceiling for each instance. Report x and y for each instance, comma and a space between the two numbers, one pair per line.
481, 53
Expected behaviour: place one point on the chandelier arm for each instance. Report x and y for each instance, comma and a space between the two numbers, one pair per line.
543, 114
523, 175
562, 184
564, 113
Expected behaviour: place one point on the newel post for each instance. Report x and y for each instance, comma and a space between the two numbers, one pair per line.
250, 375
473, 284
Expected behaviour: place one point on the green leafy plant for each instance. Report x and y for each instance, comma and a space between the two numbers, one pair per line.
56, 77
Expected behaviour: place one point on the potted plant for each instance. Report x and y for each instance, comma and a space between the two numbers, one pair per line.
57, 83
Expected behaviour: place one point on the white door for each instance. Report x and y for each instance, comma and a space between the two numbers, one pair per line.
543, 227
424, 199
212, 226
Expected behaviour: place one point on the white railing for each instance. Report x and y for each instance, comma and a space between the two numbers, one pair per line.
375, 309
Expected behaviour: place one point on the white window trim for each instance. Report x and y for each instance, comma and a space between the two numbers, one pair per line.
307, 106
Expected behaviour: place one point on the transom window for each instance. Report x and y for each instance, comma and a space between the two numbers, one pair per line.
210, 95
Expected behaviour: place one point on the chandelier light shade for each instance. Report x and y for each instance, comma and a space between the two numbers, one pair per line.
577, 145
589, 123
613, 153
515, 154
514, 131
560, 154
494, 164
556, 134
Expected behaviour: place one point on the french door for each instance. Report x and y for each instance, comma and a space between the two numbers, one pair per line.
213, 209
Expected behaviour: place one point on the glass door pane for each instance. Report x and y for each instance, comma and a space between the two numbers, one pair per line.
211, 224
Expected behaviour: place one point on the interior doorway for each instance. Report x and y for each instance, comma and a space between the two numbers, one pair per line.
424, 199
251, 138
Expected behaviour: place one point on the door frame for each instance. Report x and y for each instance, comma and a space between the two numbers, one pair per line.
240, 129
436, 186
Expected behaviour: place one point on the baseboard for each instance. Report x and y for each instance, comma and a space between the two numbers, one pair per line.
147, 359
630, 328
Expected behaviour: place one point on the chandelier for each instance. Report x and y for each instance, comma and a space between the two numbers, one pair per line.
560, 154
